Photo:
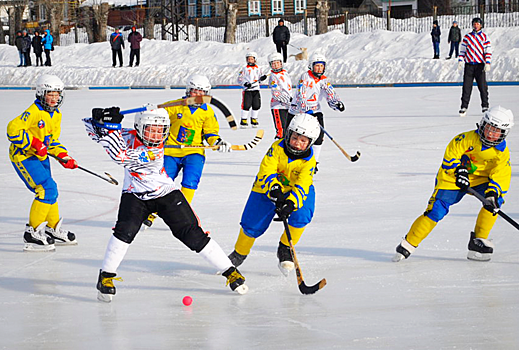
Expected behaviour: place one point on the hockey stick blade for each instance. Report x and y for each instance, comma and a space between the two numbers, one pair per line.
226, 112
498, 210
110, 179
304, 289
350, 158
245, 147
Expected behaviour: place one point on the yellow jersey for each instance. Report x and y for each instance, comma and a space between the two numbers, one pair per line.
34, 122
294, 176
485, 164
191, 125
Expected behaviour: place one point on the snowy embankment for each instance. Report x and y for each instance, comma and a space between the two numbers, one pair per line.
378, 57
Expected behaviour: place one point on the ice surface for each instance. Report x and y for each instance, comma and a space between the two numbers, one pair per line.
437, 299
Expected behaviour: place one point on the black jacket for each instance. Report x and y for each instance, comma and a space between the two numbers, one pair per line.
18, 41
36, 44
117, 41
454, 34
281, 33
435, 33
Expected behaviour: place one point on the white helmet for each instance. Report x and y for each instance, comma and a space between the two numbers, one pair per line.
276, 56
198, 82
144, 121
47, 83
302, 124
251, 54
497, 117
316, 58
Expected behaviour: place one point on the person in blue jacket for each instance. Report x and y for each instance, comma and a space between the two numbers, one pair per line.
47, 42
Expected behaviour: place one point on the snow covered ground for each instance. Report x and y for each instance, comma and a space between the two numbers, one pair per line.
378, 57
435, 300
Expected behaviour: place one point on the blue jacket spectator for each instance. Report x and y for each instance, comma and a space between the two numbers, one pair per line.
47, 42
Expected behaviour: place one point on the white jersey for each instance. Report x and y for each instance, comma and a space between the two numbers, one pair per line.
250, 74
280, 86
144, 173
309, 92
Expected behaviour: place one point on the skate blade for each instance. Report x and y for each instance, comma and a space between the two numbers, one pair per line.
463, 115
32, 247
398, 257
65, 243
286, 267
255, 126
477, 256
106, 298
242, 289
243, 126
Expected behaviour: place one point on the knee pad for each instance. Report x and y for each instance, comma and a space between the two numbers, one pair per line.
47, 192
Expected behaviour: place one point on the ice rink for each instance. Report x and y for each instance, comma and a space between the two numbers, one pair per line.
437, 299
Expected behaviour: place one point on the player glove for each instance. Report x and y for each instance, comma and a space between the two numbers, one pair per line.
460, 65
340, 106
276, 195
247, 85
487, 67
109, 118
285, 211
462, 178
39, 147
492, 205
263, 77
67, 161
224, 145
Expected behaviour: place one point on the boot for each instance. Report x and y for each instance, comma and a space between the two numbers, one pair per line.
37, 240
61, 236
105, 286
480, 249
254, 122
235, 280
286, 261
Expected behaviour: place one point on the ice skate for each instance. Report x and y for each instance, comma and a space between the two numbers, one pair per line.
484, 109
254, 122
235, 280
480, 249
244, 123
148, 222
36, 240
61, 236
463, 112
286, 262
236, 258
403, 251
105, 286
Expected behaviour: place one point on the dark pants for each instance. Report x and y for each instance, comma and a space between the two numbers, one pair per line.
137, 54
27, 56
116, 53
320, 119
281, 45
39, 60
280, 121
251, 99
47, 58
436, 48
173, 208
474, 71
455, 45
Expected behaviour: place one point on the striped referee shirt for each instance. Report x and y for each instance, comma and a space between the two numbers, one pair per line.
475, 48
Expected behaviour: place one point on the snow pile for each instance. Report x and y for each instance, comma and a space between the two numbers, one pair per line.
377, 57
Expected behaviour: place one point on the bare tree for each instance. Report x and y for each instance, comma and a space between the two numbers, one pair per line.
149, 22
321, 16
54, 11
94, 19
230, 22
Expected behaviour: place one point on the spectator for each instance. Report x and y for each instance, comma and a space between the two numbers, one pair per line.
18, 42
117, 43
281, 37
26, 48
435, 34
48, 46
454, 39
38, 47
135, 39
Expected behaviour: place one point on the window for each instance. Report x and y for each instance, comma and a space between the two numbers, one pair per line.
219, 9
299, 6
206, 8
43, 14
191, 8
277, 7
254, 7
